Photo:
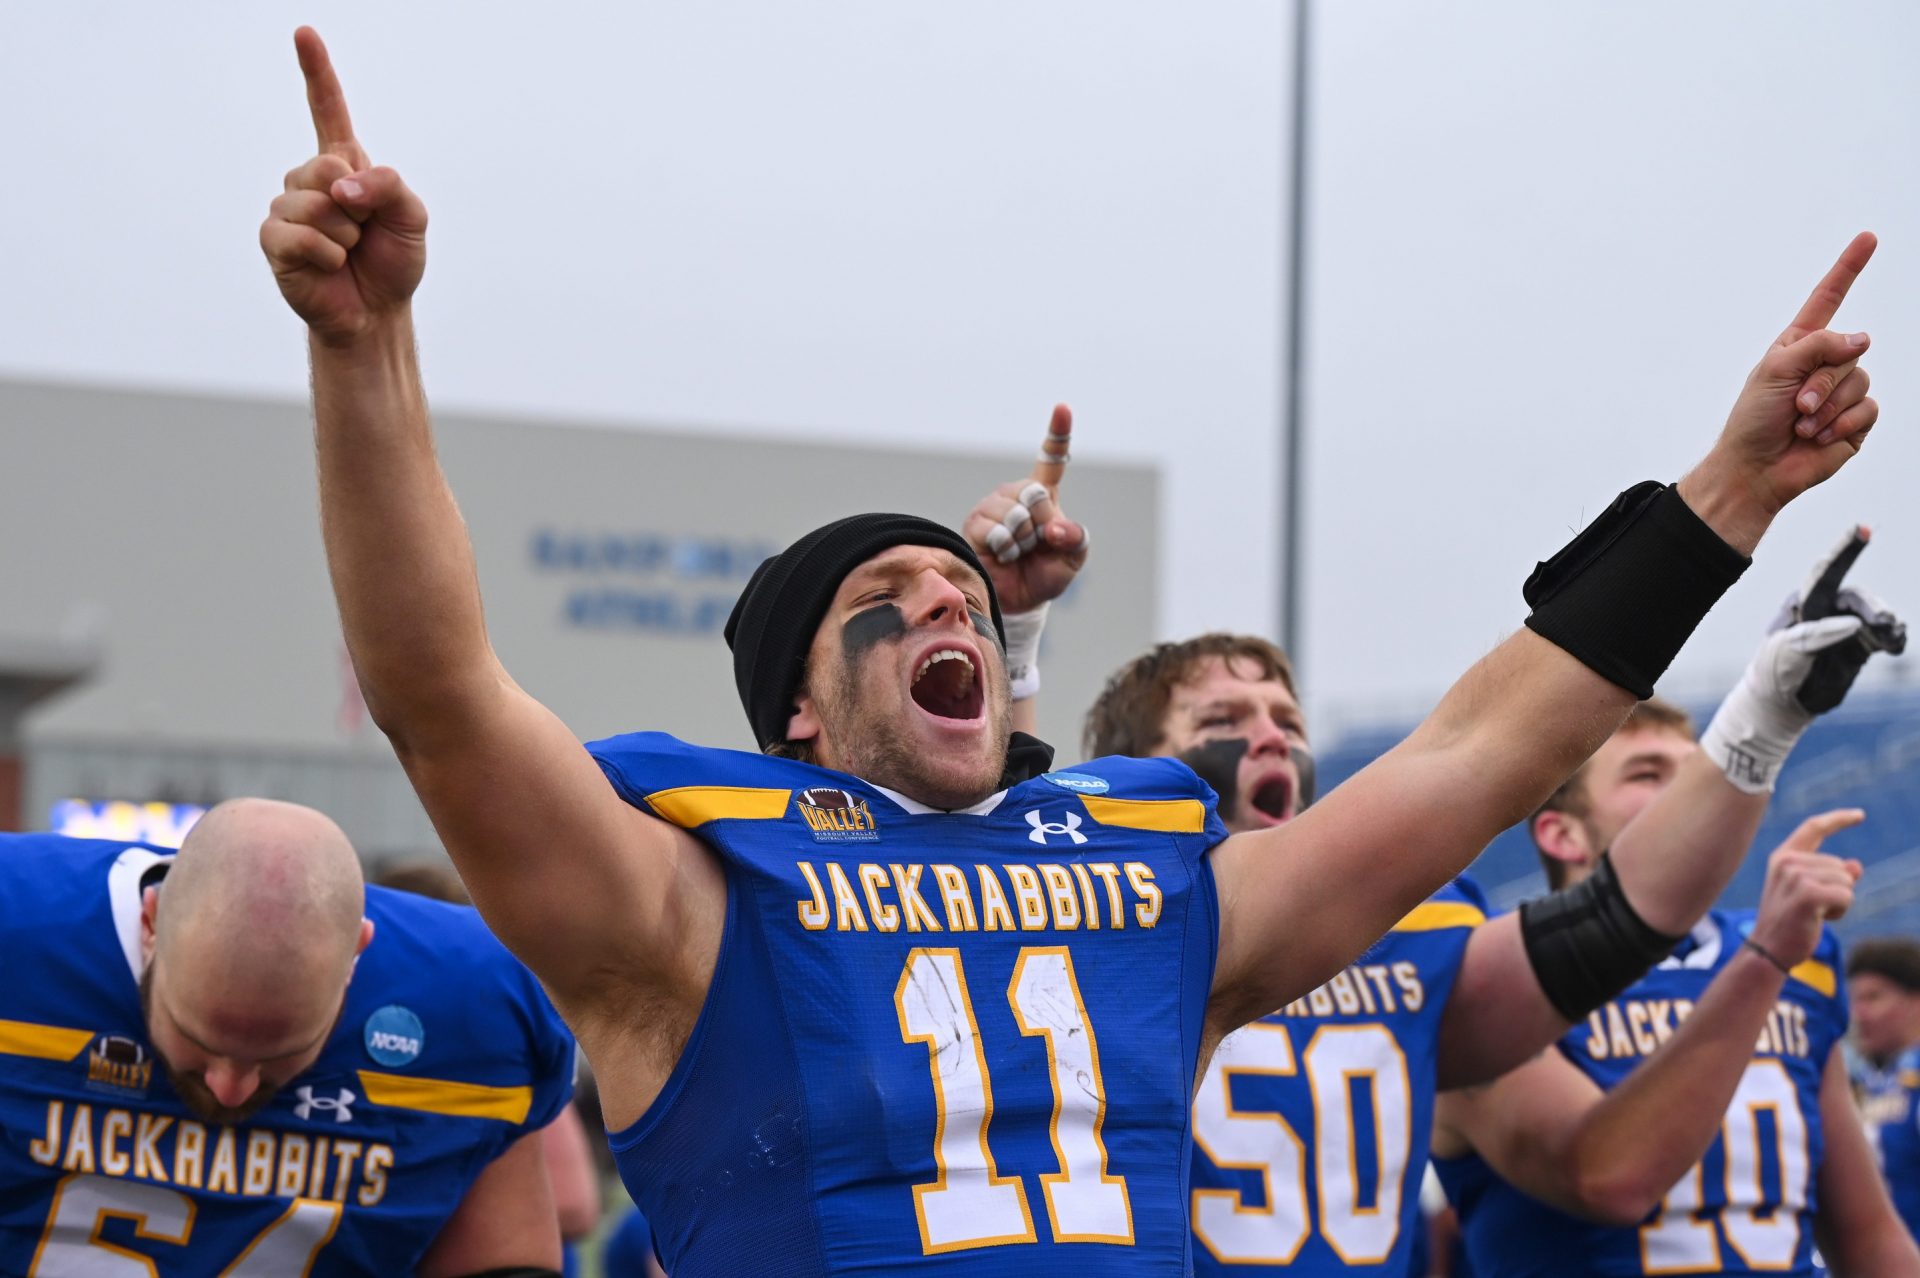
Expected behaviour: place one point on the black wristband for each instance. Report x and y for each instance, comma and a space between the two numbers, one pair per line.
1766, 954
1587, 943
1623, 595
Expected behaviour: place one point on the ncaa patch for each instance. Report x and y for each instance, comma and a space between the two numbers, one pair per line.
395, 1035
1078, 782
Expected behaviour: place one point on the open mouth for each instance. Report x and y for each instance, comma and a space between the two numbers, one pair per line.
947, 686
1273, 798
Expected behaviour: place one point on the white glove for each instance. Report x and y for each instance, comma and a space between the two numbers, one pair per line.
1820, 641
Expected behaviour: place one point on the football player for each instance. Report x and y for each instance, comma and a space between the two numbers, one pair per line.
237, 1060
1549, 1178
891, 991
1883, 983
564, 1143
1291, 1167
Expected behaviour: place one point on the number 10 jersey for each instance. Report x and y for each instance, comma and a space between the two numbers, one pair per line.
1747, 1207
958, 1041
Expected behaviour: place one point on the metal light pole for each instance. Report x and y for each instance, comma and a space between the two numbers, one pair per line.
1291, 425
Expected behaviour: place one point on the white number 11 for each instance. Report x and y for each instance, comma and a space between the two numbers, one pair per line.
969, 1203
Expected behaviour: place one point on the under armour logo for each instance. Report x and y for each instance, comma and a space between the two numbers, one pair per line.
1042, 828
338, 1104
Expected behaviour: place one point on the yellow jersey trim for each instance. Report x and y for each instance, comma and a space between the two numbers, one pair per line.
688, 806
1817, 974
1434, 916
1169, 816
443, 1096
47, 1042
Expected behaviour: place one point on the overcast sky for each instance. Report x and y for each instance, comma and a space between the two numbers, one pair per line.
1546, 244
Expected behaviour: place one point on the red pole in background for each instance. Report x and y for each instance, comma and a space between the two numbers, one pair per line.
31, 672
11, 788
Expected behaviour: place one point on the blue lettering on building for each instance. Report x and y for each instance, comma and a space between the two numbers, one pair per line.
661, 582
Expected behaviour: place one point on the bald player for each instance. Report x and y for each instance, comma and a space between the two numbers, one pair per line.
239, 1060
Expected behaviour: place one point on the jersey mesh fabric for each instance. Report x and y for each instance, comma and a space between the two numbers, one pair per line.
1749, 1221
719, 1166
854, 916
1263, 1109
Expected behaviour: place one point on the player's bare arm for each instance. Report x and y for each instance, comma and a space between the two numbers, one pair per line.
1032, 552
1859, 1232
1300, 901
613, 909
505, 1222
1675, 857
1611, 1156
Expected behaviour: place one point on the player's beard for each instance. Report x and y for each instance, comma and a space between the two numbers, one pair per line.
873, 743
193, 1091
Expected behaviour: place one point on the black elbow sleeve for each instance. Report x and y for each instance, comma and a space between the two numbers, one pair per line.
1587, 944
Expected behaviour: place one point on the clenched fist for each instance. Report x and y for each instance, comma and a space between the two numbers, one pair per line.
1030, 548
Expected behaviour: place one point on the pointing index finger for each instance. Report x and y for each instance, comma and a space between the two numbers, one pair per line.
1816, 829
332, 126
1051, 466
1820, 596
1821, 304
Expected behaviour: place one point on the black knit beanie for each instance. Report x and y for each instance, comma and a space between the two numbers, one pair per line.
774, 620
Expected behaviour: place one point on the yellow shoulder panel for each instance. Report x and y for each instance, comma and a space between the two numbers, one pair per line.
1172, 816
1433, 916
48, 1042
694, 805
443, 1096
1817, 974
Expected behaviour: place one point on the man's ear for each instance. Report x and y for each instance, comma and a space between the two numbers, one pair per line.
366, 937
804, 725
1563, 837
149, 921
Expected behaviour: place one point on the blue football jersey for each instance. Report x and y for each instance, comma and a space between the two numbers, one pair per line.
961, 1042
629, 1249
1312, 1125
352, 1168
1747, 1207
1890, 1103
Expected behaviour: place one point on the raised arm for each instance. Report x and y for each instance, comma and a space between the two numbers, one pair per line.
598, 899
1032, 551
1673, 860
1301, 901
1612, 1156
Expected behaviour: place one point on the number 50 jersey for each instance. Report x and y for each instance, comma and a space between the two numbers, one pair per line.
1312, 1125
953, 1042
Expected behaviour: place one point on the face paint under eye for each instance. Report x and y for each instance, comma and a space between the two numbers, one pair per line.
983, 625
1218, 764
1303, 768
866, 630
